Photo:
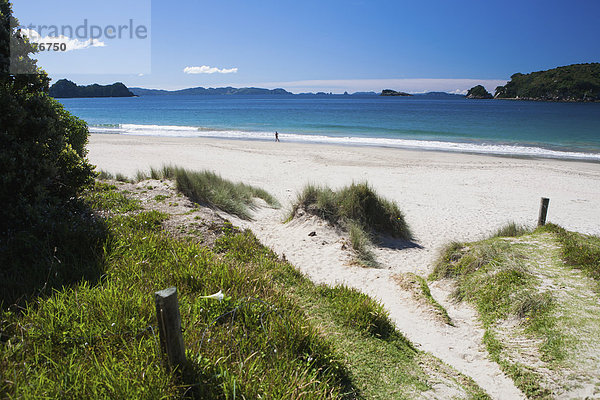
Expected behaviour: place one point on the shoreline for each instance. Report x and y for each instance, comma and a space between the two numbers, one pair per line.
465, 147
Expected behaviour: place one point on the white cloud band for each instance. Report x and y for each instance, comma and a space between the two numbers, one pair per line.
205, 69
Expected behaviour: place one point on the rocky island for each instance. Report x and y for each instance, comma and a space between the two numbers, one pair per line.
64, 88
479, 92
390, 92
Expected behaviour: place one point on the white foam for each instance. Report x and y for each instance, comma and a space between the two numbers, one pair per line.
479, 148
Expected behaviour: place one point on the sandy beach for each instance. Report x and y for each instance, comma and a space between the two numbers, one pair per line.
445, 197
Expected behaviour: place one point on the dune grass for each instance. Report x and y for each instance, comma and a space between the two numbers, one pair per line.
493, 276
210, 189
359, 210
577, 250
516, 275
274, 335
512, 229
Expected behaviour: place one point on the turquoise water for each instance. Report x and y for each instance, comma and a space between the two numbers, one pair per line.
560, 130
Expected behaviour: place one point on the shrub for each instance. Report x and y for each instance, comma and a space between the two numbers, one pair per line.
42, 146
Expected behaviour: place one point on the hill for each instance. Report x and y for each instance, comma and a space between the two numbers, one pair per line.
577, 83
210, 91
64, 88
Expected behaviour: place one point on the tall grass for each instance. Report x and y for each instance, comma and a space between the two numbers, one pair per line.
512, 229
357, 202
359, 210
577, 250
209, 188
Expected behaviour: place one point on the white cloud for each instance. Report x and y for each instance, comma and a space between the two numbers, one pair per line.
72, 44
205, 69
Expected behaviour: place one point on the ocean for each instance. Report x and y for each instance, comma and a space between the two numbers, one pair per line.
501, 127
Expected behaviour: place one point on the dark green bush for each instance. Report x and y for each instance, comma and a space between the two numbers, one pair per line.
42, 146
47, 237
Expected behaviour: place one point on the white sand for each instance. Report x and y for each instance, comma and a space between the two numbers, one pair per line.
445, 197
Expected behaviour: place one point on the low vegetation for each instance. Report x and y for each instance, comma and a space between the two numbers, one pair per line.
359, 210
577, 250
273, 335
524, 293
210, 189
512, 229
419, 288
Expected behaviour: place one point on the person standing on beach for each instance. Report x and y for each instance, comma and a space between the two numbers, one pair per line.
276, 136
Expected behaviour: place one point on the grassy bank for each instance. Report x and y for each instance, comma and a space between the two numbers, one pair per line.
359, 210
273, 335
210, 189
532, 304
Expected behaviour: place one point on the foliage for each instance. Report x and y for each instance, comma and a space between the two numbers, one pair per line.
42, 146
577, 82
359, 210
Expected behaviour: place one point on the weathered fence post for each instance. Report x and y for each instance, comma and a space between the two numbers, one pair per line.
169, 325
543, 211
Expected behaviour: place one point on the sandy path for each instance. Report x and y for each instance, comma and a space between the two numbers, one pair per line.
445, 197
322, 259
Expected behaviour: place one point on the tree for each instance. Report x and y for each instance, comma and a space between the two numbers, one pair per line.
42, 146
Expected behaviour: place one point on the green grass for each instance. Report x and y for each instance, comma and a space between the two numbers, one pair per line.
494, 277
579, 251
105, 197
93, 341
359, 210
512, 229
274, 335
209, 188
361, 243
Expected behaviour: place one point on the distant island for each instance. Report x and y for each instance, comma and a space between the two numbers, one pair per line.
64, 88
479, 92
574, 83
210, 91
390, 92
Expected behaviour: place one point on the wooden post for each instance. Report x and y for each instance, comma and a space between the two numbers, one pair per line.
169, 325
543, 211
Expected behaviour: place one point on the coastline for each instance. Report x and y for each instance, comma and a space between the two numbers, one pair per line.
465, 146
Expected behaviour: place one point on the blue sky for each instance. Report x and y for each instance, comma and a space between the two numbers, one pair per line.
328, 45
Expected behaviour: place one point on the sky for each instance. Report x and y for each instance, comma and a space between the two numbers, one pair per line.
325, 45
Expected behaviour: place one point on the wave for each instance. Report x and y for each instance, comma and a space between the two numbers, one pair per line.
439, 145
